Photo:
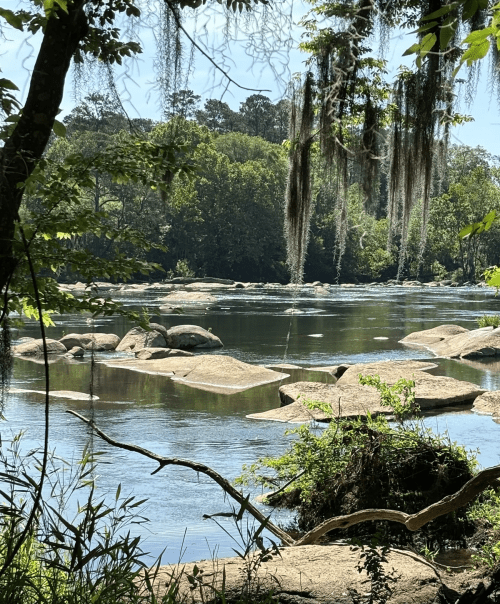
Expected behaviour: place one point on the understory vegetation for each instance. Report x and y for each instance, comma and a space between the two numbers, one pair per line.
357, 464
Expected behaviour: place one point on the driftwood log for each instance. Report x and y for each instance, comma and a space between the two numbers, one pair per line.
413, 522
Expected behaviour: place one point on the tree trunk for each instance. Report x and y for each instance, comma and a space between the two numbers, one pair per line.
26, 145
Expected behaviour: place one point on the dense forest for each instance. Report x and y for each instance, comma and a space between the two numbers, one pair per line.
223, 215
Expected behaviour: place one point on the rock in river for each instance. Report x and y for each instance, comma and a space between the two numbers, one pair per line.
35, 347
89, 341
215, 373
191, 336
138, 338
457, 342
348, 398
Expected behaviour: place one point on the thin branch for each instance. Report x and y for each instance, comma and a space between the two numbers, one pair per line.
205, 54
197, 467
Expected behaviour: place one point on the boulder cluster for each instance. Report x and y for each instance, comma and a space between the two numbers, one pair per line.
156, 343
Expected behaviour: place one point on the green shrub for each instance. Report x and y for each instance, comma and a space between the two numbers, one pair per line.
356, 464
489, 320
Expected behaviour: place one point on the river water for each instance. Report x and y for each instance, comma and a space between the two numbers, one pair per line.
171, 419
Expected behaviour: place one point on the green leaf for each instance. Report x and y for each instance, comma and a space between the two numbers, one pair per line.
444, 10
7, 84
470, 9
427, 43
12, 19
466, 231
59, 129
447, 32
478, 36
412, 50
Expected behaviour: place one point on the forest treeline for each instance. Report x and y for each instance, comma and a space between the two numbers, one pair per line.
224, 217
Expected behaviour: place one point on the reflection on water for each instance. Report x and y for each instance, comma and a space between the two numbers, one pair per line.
173, 419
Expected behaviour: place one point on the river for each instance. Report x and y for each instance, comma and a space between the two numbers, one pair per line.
346, 325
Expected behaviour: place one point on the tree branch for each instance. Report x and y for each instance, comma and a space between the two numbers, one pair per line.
197, 467
413, 522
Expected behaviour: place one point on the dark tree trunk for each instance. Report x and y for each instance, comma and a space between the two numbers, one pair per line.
26, 145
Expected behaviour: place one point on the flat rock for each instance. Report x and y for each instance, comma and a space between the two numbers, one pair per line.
295, 413
138, 338
89, 341
35, 347
160, 353
488, 403
389, 371
68, 394
348, 400
215, 373
284, 366
191, 336
189, 297
464, 344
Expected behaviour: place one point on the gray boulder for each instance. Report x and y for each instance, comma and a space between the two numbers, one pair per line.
89, 341
138, 338
191, 336
35, 347
160, 353
186, 297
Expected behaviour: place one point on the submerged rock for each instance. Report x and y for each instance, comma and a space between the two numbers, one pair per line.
215, 373
189, 298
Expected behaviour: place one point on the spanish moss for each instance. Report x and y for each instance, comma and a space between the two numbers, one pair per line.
299, 187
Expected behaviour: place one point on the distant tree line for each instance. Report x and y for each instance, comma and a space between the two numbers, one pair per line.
225, 219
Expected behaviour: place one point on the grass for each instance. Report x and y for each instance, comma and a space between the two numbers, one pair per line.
489, 321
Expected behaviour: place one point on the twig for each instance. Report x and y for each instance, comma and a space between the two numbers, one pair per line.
197, 467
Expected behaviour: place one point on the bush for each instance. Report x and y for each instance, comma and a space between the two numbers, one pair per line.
369, 463
488, 320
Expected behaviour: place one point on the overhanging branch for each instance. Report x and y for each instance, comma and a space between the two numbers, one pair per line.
413, 522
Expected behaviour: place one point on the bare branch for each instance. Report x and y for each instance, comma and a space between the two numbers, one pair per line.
197, 467
413, 522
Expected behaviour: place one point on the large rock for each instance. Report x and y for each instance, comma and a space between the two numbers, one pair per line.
35, 347
191, 336
138, 338
430, 390
389, 371
189, 298
296, 413
456, 342
489, 403
348, 398
215, 373
89, 341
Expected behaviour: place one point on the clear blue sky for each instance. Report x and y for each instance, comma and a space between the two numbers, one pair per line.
136, 81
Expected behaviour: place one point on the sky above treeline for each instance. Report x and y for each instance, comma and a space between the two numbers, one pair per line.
263, 62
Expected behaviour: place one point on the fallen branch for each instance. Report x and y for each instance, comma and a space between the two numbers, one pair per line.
197, 467
413, 522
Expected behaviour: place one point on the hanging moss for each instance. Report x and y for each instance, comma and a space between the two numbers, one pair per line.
5, 361
299, 187
407, 134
